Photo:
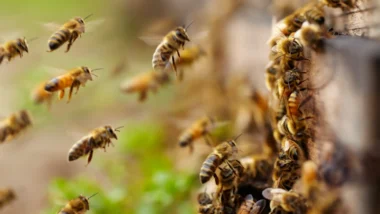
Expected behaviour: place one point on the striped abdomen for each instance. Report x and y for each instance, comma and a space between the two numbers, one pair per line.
58, 38
79, 149
209, 166
161, 56
59, 83
293, 103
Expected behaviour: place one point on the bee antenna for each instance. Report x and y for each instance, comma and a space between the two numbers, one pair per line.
189, 25
117, 128
238, 136
92, 196
95, 69
32, 39
88, 16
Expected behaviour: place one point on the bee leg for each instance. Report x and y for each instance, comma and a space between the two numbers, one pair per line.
229, 164
73, 37
1, 58
179, 56
142, 96
89, 157
191, 148
208, 140
76, 83
216, 179
174, 66
77, 89
61, 94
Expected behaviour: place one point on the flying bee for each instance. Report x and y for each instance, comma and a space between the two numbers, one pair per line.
78, 205
68, 32
228, 177
287, 200
13, 48
205, 203
98, 138
249, 206
75, 77
221, 153
188, 57
200, 128
144, 82
14, 125
171, 43
6, 196
40, 95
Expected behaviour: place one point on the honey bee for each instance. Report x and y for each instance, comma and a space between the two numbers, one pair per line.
344, 4
68, 32
315, 15
188, 57
14, 125
257, 169
205, 202
311, 35
228, 177
144, 82
171, 43
98, 138
287, 200
13, 48
271, 72
249, 206
40, 95
290, 81
75, 77
78, 205
294, 128
221, 153
287, 47
6, 196
200, 128
288, 164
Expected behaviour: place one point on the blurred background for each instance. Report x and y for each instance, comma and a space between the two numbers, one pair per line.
146, 171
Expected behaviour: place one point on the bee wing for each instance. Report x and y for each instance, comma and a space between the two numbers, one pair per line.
92, 25
200, 36
270, 193
53, 70
7, 36
152, 40
51, 26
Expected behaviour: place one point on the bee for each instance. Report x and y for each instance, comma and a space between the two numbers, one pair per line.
6, 196
188, 57
315, 15
249, 206
205, 202
14, 125
13, 48
343, 4
144, 82
171, 43
118, 69
288, 164
75, 77
271, 72
40, 95
79, 205
257, 169
311, 35
290, 81
294, 128
200, 128
68, 32
221, 153
288, 47
98, 138
287, 200
228, 177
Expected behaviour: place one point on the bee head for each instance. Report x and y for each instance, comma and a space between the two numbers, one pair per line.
295, 47
87, 72
79, 20
110, 132
85, 201
22, 44
181, 33
25, 118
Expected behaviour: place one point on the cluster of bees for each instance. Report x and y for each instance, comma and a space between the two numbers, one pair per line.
283, 173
